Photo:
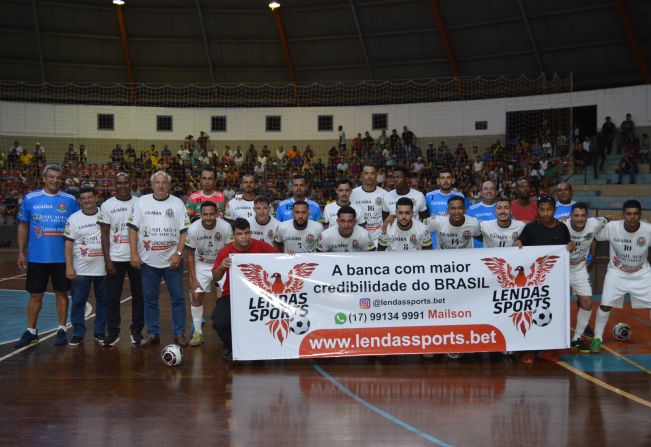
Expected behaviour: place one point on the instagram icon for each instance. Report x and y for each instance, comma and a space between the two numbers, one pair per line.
364, 303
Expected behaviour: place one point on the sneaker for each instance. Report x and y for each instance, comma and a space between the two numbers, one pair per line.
227, 355
151, 340
111, 340
580, 345
61, 339
99, 338
197, 339
595, 346
137, 339
76, 340
588, 333
181, 340
454, 355
27, 339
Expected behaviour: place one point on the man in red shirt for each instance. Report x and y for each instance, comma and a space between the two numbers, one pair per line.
522, 207
242, 243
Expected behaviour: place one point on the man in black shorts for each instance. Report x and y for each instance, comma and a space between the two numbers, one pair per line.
42, 219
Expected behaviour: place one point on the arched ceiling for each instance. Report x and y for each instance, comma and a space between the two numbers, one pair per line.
603, 42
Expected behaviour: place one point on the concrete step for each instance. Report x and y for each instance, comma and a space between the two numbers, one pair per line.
608, 178
616, 203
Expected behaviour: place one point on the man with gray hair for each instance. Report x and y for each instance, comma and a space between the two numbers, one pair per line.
41, 221
157, 230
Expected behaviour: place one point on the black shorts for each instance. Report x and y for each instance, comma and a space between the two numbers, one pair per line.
38, 275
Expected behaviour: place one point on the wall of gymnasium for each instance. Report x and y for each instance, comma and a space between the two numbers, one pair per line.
56, 125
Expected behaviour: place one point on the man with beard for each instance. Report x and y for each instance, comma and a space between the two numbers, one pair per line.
300, 234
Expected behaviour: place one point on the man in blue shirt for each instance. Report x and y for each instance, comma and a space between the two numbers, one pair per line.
299, 192
42, 219
437, 200
484, 210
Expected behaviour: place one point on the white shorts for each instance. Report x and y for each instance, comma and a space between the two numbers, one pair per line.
204, 276
580, 282
617, 285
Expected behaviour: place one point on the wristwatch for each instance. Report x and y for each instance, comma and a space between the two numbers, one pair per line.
180, 253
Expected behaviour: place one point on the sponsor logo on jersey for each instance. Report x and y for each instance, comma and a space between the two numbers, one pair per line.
62, 208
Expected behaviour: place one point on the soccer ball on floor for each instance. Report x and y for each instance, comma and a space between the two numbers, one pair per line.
172, 355
622, 331
299, 324
542, 317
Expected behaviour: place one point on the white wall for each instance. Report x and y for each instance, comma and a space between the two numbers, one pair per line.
426, 119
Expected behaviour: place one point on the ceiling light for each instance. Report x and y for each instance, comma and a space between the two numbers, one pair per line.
274, 5
118, 2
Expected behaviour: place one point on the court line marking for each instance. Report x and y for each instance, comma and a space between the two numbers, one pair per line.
69, 325
603, 384
641, 320
626, 359
378, 410
12, 277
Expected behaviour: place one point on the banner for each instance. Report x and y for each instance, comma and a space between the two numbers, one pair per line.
381, 303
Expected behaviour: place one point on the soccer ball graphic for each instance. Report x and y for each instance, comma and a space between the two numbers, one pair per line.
172, 355
622, 331
542, 317
299, 324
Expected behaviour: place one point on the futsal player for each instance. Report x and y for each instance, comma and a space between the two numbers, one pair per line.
503, 231
405, 233
343, 189
484, 210
346, 235
628, 270
300, 234
41, 221
208, 192
299, 193
206, 237
402, 189
368, 198
263, 224
242, 204
456, 230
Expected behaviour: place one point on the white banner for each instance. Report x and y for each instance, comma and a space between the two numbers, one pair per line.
346, 304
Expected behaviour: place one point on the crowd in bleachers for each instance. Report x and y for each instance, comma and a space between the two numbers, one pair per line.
541, 160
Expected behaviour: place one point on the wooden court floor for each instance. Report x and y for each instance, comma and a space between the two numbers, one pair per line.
89, 395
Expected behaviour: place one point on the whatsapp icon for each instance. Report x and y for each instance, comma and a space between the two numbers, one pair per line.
340, 318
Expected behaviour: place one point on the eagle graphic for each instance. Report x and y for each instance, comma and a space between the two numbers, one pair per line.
259, 277
509, 278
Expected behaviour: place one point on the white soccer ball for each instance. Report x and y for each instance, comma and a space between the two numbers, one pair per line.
299, 324
172, 355
542, 317
622, 331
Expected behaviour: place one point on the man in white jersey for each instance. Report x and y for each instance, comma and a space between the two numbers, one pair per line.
402, 189
346, 235
112, 219
343, 188
204, 240
582, 231
405, 233
368, 198
242, 204
300, 234
503, 231
85, 267
157, 230
263, 224
628, 269
456, 230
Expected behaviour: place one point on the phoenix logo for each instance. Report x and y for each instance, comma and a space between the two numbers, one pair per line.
259, 277
83, 252
274, 285
509, 278
38, 231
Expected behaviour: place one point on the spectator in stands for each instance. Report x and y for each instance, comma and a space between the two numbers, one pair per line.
627, 165
418, 166
581, 158
626, 133
117, 155
383, 140
341, 142
644, 149
202, 141
608, 134
71, 154
26, 159
408, 139
280, 153
38, 154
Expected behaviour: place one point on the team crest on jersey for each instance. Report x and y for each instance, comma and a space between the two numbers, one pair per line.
62, 208
413, 239
515, 236
641, 241
289, 310
147, 245
355, 244
218, 236
310, 239
588, 236
467, 234
378, 201
270, 234
169, 212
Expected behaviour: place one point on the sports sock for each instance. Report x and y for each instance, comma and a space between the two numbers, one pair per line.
61, 327
31, 330
600, 323
197, 316
582, 320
